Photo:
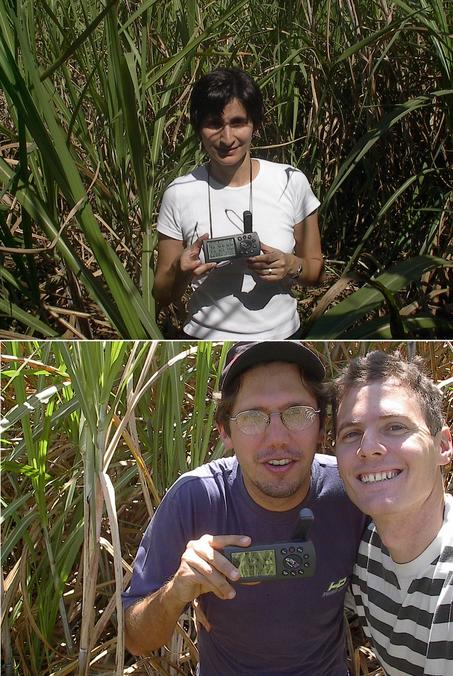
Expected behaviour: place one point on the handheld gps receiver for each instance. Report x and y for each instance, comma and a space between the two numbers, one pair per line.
280, 560
217, 249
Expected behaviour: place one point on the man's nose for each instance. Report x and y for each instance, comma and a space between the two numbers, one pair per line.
370, 444
276, 431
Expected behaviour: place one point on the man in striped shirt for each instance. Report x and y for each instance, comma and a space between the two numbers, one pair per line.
392, 444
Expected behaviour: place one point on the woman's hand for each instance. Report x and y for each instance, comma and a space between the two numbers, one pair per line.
190, 259
273, 265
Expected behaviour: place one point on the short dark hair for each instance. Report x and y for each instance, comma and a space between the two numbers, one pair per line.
226, 398
380, 366
214, 90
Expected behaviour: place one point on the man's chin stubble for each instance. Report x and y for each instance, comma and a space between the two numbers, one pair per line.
283, 490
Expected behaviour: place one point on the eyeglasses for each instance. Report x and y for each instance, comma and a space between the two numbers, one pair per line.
294, 418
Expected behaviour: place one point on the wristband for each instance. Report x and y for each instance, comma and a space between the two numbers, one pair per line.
296, 274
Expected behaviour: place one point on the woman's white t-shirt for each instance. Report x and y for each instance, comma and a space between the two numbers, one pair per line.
231, 302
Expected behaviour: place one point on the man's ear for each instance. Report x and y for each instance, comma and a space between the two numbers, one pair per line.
225, 437
446, 446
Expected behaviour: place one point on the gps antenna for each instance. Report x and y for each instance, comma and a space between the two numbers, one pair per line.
247, 216
306, 519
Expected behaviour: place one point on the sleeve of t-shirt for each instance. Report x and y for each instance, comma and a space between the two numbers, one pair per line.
168, 220
178, 519
305, 201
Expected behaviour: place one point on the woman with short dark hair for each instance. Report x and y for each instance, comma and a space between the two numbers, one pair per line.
246, 296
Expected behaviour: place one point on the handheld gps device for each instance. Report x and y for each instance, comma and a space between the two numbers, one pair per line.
278, 561
246, 244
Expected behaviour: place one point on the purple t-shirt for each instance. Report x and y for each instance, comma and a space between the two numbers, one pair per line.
276, 628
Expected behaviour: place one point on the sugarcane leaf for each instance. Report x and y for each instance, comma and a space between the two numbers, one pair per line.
339, 318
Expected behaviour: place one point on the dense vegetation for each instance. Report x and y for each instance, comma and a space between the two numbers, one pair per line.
93, 435
94, 124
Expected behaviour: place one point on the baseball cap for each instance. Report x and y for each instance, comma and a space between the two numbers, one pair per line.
242, 356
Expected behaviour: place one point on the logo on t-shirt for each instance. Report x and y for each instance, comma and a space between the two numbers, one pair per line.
336, 586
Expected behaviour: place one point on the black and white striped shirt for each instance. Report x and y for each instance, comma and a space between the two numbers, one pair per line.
407, 609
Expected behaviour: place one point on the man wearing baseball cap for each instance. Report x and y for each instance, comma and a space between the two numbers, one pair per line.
271, 411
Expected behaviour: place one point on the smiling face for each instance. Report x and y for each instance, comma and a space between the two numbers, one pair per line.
276, 464
388, 459
227, 139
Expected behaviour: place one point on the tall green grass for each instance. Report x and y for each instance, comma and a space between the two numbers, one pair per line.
93, 434
126, 402
95, 124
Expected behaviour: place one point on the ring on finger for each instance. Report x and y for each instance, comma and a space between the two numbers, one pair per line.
269, 271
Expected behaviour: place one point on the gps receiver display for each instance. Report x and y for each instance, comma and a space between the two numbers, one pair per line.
253, 563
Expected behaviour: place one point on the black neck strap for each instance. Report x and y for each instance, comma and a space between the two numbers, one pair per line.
209, 196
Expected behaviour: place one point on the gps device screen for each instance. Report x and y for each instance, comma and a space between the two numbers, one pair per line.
251, 564
221, 247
